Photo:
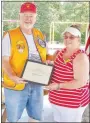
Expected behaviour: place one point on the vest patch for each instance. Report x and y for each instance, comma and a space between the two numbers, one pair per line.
20, 46
42, 43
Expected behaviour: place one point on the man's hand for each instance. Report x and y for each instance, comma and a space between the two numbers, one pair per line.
17, 80
53, 86
49, 62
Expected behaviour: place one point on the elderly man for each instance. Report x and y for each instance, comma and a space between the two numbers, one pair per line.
18, 45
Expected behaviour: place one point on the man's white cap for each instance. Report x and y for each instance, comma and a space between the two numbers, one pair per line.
73, 31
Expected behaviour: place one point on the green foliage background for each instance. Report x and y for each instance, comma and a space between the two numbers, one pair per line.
49, 11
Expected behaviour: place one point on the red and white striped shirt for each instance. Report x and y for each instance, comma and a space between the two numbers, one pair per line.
62, 72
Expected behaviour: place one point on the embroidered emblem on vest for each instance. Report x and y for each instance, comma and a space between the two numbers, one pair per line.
20, 46
41, 43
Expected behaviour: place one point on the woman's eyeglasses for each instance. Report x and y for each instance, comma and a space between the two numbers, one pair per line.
70, 37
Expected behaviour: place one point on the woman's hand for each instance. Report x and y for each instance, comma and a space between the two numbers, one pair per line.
53, 86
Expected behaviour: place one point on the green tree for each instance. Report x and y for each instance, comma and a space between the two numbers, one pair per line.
49, 12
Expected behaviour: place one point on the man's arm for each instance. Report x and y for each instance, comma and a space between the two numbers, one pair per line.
51, 58
5, 60
6, 66
8, 70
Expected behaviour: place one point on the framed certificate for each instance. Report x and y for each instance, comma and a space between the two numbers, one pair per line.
36, 72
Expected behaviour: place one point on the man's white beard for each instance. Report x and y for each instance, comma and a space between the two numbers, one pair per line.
28, 26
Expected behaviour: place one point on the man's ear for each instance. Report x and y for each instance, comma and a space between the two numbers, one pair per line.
79, 40
36, 16
19, 16
35, 20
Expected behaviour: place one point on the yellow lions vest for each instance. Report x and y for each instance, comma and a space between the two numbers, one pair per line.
19, 54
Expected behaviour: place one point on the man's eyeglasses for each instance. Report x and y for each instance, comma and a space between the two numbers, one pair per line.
70, 37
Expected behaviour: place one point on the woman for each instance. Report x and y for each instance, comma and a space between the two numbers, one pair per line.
69, 88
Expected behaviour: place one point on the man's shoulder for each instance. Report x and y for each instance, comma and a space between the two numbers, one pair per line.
10, 30
14, 29
37, 30
38, 33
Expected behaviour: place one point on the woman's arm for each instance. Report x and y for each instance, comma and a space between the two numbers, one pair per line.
81, 72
